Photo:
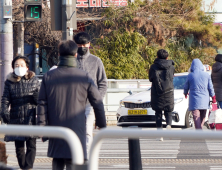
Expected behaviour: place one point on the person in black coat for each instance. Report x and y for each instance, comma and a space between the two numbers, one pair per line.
161, 75
21, 94
216, 77
62, 101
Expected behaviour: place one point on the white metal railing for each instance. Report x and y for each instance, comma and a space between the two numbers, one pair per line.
49, 131
125, 90
137, 133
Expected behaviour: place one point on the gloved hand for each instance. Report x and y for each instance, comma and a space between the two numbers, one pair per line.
185, 96
5, 117
214, 99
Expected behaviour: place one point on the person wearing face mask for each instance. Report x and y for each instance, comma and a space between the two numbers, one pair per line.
21, 95
95, 69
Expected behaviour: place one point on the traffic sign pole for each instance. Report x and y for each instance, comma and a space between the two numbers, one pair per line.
63, 17
6, 41
68, 19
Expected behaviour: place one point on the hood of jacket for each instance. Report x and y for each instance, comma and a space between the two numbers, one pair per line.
197, 65
163, 64
218, 58
216, 67
14, 78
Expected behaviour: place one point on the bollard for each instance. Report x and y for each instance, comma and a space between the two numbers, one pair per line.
135, 162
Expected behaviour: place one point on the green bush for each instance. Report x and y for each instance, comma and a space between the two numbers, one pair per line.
132, 35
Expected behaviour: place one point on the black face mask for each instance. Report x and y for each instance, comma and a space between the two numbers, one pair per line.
82, 50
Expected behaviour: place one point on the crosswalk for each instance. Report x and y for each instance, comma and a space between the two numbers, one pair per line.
214, 147
215, 167
170, 154
41, 161
150, 149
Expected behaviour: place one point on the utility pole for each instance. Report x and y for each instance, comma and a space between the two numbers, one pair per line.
6, 41
63, 17
68, 21
20, 31
19, 41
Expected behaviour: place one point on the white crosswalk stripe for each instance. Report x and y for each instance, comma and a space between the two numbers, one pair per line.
215, 167
214, 147
150, 148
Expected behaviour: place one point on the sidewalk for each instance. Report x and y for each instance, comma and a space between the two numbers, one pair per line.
41, 161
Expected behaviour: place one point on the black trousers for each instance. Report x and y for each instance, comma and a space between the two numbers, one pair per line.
26, 160
60, 163
168, 116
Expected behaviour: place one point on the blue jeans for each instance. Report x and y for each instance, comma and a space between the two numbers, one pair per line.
220, 104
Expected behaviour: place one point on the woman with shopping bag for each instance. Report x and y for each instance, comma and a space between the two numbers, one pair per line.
200, 89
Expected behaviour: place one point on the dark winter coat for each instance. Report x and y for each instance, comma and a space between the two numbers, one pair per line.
217, 77
161, 75
21, 94
62, 101
95, 69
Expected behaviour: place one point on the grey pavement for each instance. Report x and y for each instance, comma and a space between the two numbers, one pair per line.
169, 154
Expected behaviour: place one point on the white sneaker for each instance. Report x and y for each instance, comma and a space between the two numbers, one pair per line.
160, 139
168, 127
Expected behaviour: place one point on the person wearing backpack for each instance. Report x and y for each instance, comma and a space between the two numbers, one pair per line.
161, 75
200, 89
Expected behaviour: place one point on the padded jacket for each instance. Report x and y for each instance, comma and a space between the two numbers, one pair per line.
21, 95
161, 75
217, 78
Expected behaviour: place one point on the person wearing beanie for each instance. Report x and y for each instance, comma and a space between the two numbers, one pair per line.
216, 77
62, 101
18, 107
161, 75
200, 88
95, 69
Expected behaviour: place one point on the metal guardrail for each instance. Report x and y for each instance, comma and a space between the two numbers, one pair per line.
137, 133
76, 147
49, 131
120, 90
111, 80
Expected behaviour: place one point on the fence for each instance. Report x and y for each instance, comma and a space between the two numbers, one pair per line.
49, 131
117, 90
76, 147
137, 133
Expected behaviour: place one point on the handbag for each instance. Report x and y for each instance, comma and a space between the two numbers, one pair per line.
215, 116
175, 117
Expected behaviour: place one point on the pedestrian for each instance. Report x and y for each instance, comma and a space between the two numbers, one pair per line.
62, 100
95, 69
161, 75
217, 78
20, 95
200, 88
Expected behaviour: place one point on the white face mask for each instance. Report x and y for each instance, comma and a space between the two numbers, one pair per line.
20, 71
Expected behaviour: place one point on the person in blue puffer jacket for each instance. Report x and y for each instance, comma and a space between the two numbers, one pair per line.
200, 89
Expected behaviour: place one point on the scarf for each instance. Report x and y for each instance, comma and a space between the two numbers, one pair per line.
67, 61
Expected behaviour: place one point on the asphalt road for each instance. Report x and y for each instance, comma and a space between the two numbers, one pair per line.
170, 154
